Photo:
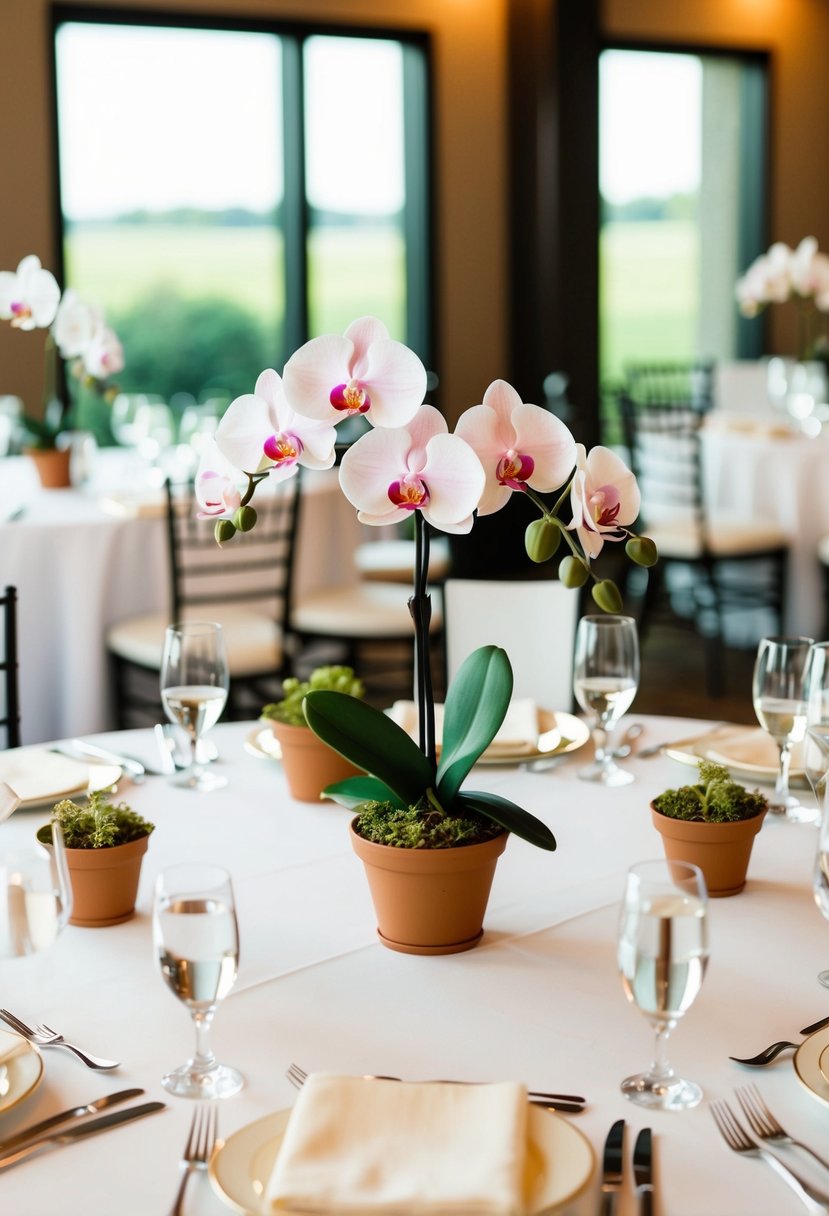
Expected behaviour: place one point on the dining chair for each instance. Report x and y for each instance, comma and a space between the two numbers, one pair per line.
245, 585
710, 568
9, 695
688, 384
392, 560
533, 620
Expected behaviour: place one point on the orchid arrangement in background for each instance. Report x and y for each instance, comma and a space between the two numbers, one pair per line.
784, 274
30, 298
409, 464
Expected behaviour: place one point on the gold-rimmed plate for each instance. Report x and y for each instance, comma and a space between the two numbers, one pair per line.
747, 752
559, 1163
810, 1059
25, 1068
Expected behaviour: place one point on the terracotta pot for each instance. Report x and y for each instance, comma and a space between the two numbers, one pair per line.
429, 901
104, 881
721, 850
52, 466
308, 763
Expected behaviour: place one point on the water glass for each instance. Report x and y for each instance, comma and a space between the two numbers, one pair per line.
778, 693
196, 941
194, 687
662, 955
35, 897
605, 680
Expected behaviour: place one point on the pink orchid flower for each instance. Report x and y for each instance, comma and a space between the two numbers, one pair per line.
604, 498
260, 430
391, 471
28, 296
104, 356
216, 490
519, 445
363, 372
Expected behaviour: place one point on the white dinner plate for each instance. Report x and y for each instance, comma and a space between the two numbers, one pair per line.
25, 1068
748, 753
807, 1064
41, 777
559, 1163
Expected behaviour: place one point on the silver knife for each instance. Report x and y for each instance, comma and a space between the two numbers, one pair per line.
76, 1112
612, 1168
642, 1172
76, 747
77, 1133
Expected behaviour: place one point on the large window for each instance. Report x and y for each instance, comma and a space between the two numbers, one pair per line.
226, 194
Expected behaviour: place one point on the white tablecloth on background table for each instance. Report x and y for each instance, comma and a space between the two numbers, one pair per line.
538, 1000
79, 568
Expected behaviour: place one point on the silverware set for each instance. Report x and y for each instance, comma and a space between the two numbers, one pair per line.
43, 1135
613, 1169
198, 1150
768, 1130
568, 1104
43, 1036
774, 1049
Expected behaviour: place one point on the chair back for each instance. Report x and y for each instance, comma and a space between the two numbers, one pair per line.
533, 620
254, 569
666, 456
9, 699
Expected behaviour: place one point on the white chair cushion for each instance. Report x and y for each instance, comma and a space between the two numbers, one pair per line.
392, 561
366, 610
253, 641
726, 538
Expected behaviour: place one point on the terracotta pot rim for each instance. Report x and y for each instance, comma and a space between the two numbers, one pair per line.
114, 854
698, 827
392, 857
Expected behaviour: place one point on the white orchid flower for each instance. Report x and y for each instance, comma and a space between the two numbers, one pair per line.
604, 498
260, 430
216, 484
363, 372
75, 325
391, 471
28, 296
104, 356
518, 444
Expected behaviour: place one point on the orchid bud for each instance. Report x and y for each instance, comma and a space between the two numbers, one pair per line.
642, 550
542, 538
573, 572
606, 595
224, 530
245, 518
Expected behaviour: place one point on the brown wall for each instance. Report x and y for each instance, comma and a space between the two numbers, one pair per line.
796, 34
468, 38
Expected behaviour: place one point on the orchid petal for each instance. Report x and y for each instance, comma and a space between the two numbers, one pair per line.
396, 382
241, 434
504, 400
313, 371
455, 479
363, 333
548, 441
370, 465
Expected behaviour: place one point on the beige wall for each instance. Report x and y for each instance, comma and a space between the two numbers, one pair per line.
796, 33
471, 231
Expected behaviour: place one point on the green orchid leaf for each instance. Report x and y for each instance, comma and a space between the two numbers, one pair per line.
369, 739
508, 815
354, 791
476, 705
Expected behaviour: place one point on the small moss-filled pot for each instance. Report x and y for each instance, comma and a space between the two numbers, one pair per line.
429, 901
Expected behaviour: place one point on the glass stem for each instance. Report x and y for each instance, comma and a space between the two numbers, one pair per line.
600, 744
204, 1059
661, 1069
781, 788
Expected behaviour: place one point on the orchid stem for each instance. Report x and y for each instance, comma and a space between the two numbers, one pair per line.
420, 608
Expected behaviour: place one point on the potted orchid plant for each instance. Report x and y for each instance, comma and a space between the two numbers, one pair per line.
30, 298
408, 464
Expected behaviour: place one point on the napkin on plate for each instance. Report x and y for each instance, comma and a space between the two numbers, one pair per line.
357, 1145
518, 731
36, 773
754, 748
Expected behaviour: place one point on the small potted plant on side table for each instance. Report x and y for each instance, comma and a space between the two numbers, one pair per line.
711, 824
308, 763
105, 845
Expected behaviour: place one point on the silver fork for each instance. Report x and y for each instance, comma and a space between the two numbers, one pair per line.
764, 1124
197, 1151
568, 1103
44, 1036
738, 1139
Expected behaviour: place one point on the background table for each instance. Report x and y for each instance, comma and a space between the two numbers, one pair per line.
79, 567
539, 999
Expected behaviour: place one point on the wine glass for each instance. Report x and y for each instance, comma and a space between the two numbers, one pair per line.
194, 687
662, 955
780, 706
605, 679
35, 897
197, 943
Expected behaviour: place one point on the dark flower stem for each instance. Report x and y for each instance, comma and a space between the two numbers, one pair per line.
420, 608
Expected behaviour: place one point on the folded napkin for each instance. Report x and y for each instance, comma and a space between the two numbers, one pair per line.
356, 1145
754, 747
35, 773
518, 731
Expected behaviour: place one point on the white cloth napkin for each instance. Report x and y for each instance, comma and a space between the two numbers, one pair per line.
356, 1145
518, 731
755, 748
35, 773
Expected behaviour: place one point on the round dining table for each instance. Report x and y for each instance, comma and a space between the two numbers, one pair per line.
539, 1000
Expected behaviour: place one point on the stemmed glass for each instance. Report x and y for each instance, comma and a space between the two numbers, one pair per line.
662, 955
605, 679
197, 943
194, 687
816, 742
779, 703
35, 897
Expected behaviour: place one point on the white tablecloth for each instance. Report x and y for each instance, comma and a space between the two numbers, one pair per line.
79, 569
539, 999
782, 481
